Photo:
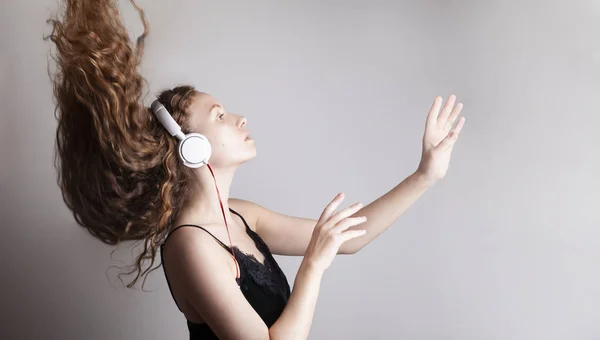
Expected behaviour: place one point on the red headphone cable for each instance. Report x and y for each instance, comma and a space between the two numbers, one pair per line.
237, 273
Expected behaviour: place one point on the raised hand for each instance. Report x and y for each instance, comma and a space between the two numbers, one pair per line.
330, 233
440, 135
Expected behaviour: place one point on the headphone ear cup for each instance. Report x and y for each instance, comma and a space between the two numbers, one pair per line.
194, 150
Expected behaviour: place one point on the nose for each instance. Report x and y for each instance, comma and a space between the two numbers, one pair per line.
242, 121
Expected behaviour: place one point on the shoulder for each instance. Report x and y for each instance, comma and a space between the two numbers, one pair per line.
190, 238
191, 247
250, 211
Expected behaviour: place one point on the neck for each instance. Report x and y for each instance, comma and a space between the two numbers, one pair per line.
203, 206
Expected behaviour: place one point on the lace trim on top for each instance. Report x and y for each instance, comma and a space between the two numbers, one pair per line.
267, 274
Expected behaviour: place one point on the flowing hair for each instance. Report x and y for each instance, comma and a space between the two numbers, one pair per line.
118, 169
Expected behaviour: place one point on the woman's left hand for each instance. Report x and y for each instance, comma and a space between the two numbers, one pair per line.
439, 138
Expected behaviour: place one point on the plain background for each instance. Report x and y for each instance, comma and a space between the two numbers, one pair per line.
507, 246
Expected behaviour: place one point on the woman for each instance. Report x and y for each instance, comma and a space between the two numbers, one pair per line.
121, 175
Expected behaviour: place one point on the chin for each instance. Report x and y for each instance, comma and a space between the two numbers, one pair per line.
247, 157
252, 152
251, 157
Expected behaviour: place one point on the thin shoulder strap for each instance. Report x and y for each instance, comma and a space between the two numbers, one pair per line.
197, 226
242, 217
258, 241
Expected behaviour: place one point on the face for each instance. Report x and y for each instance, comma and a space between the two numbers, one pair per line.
226, 131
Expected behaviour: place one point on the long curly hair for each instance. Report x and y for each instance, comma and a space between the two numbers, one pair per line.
117, 166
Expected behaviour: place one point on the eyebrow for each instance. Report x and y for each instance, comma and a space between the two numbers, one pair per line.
214, 106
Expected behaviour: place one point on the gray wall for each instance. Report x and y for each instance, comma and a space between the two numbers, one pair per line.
336, 93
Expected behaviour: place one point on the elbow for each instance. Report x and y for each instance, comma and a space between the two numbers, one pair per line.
349, 250
278, 335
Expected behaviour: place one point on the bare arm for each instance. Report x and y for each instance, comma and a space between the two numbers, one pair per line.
289, 235
385, 210
296, 320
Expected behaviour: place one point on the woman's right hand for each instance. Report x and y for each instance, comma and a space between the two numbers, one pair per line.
330, 233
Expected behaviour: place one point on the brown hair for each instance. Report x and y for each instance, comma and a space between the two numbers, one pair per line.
117, 167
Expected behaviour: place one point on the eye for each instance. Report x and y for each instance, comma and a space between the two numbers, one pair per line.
220, 116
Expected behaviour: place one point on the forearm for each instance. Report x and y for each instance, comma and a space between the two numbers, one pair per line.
296, 320
385, 210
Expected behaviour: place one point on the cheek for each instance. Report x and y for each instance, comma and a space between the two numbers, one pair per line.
224, 139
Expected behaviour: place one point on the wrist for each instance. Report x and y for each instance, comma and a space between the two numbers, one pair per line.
310, 267
422, 179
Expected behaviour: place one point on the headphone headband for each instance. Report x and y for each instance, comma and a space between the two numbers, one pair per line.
194, 149
166, 120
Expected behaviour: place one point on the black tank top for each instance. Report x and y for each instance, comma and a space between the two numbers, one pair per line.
264, 285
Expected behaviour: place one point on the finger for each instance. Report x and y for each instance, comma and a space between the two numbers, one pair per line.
331, 207
455, 112
434, 110
350, 234
347, 223
447, 142
458, 128
340, 215
443, 116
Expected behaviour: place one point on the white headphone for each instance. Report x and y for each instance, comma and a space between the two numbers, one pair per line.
194, 149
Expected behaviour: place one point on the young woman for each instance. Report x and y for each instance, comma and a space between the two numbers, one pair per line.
122, 176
